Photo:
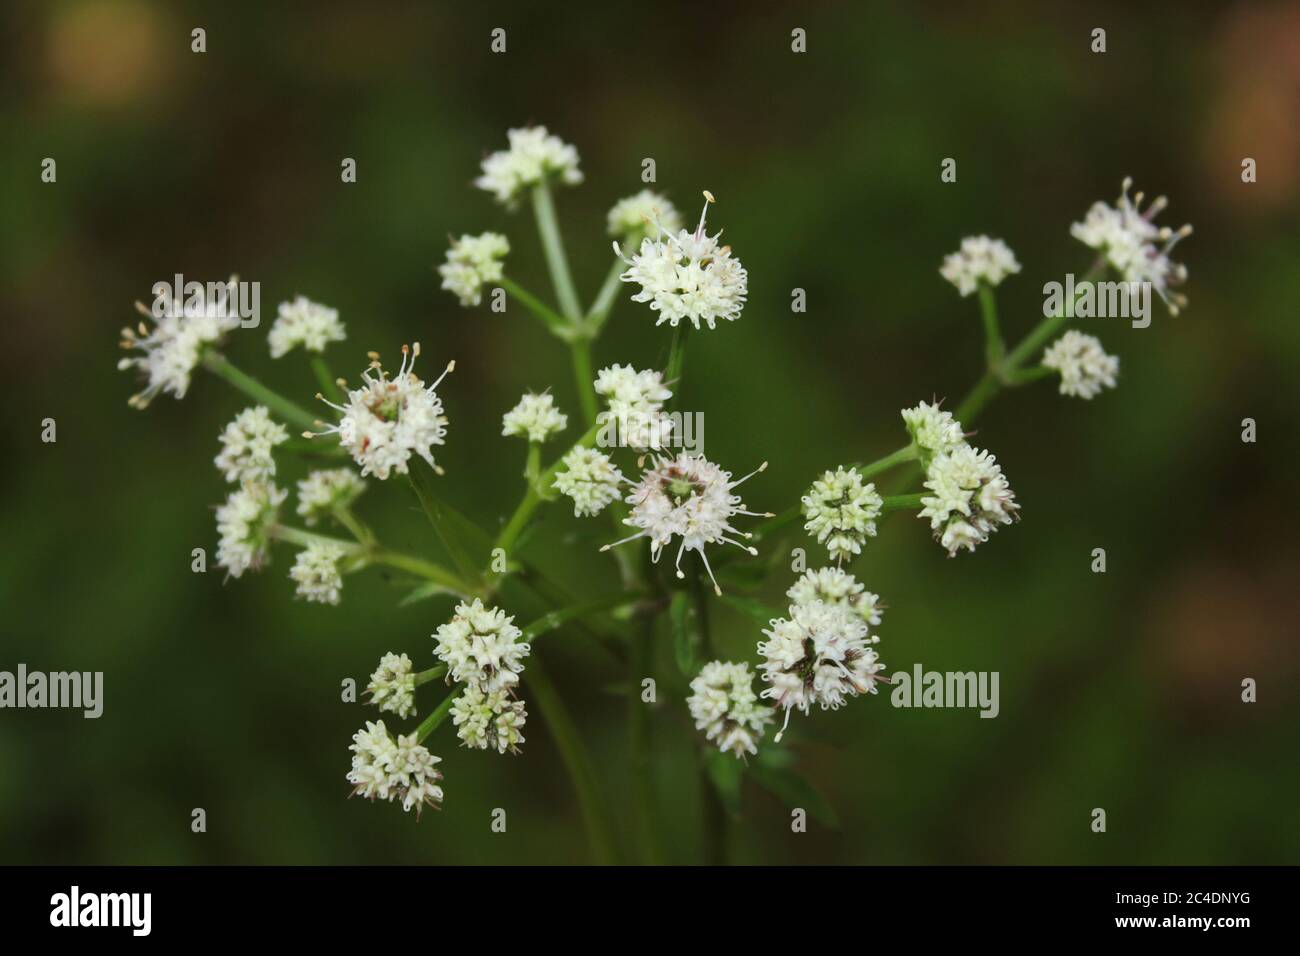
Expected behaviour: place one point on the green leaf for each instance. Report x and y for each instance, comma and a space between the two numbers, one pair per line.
686, 639
793, 790
424, 592
449, 525
725, 772
763, 613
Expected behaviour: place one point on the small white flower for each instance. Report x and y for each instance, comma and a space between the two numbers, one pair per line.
247, 443
723, 705
534, 155
643, 215
980, 259
590, 478
842, 512
306, 323
400, 770
820, 655
690, 497
1128, 238
834, 586
687, 275
392, 685
175, 346
933, 431
473, 262
323, 491
535, 418
316, 572
244, 523
387, 420
1084, 366
480, 647
635, 400
969, 499
491, 719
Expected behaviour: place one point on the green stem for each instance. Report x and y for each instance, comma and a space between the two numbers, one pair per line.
676, 358
421, 568
713, 813
553, 246
554, 619
902, 502
328, 383
994, 350
217, 363
433, 673
430, 723
580, 348
595, 815
604, 303
1027, 376
532, 495
553, 321
307, 538
640, 665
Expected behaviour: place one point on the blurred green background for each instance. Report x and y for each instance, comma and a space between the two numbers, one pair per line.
1119, 690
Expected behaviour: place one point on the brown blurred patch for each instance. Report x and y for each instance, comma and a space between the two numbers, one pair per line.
108, 53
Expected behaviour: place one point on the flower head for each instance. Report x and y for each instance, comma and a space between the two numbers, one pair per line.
481, 648
933, 431
643, 215
534, 156
820, 655
590, 478
246, 445
1084, 366
723, 705
392, 685
306, 323
535, 418
980, 259
969, 498
244, 523
473, 262
687, 275
398, 770
834, 586
1126, 235
316, 572
387, 420
635, 400
489, 719
323, 491
176, 345
842, 512
690, 497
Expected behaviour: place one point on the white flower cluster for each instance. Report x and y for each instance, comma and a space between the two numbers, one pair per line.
534, 155
247, 444
316, 572
174, 348
1128, 238
835, 586
324, 490
489, 719
535, 418
980, 259
969, 498
387, 420
643, 215
842, 512
820, 655
690, 497
687, 275
306, 323
590, 478
480, 647
473, 262
723, 705
243, 525
1083, 364
398, 770
392, 685
635, 400
933, 430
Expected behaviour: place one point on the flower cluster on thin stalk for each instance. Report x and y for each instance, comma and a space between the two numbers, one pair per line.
820, 652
